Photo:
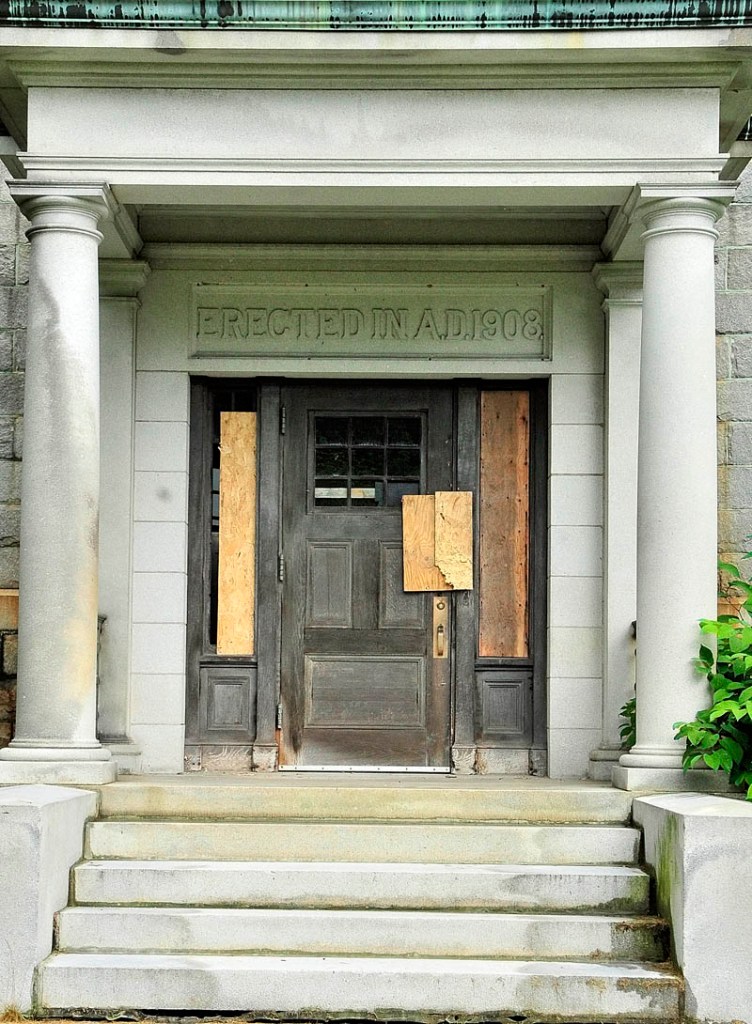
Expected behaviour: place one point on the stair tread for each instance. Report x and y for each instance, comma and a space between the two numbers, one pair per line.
361, 796
161, 910
336, 867
403, 842
350, 932
376, 987
394, 965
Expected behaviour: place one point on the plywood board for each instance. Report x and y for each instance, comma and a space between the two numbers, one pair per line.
437, 541
419, 570
237, 533
504, 531
453, 538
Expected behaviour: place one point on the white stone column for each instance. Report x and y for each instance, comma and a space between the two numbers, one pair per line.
676, 491
55, 737
622, 285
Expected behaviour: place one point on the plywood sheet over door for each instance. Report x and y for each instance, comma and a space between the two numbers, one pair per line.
437, 536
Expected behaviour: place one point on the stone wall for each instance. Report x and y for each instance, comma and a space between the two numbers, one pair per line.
734, 326
14, 252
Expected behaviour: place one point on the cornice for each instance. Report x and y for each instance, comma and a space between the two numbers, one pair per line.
375, 258
311, 72
470, 168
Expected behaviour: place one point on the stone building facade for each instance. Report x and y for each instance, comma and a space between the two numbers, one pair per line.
13, 277
734, 326
734, 369
218, 296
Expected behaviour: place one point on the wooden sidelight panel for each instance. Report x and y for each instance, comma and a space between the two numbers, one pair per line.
504, 515
237, 533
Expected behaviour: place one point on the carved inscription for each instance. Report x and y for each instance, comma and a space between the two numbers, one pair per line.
483, 321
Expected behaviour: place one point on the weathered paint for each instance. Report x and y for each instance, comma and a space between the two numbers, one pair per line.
415, 15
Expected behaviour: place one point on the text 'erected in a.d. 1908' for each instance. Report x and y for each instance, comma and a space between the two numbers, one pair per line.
516, 326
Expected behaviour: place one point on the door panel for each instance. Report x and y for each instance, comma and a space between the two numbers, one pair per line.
359, 682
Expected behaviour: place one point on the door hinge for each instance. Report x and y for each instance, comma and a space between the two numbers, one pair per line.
281, 567
280, 714
282, 419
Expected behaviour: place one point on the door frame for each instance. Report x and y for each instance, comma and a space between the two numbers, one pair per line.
303, 400
466, 726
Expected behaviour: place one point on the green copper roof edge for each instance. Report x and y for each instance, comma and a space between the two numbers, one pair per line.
394, 15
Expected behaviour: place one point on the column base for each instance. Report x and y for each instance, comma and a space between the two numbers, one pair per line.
61, 773
603, 760
670, 780
40, 750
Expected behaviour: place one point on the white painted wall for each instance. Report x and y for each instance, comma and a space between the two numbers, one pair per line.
575, 569
160, 537
161, 478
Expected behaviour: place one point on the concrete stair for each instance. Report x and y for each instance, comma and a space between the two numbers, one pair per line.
442, 908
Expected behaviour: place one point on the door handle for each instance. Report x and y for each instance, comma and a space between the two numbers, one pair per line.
440, 627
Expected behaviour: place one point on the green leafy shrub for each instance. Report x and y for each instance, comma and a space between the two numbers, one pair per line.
721, 735
628, 730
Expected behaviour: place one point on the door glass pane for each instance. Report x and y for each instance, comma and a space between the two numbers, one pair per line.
331, 430
403, 462
366, 461
331, 462
368, 430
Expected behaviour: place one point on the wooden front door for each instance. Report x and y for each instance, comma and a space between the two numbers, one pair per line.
362, 680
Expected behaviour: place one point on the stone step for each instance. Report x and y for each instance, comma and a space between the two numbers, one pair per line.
604, 889
333, 841
380, 933
385, 988
362, 798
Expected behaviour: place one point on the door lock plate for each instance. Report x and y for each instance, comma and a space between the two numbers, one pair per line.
440, 627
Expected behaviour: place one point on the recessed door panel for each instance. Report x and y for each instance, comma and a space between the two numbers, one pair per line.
329, 584
364, 692
398, 609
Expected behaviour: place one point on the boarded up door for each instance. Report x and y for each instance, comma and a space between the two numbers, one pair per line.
360, 683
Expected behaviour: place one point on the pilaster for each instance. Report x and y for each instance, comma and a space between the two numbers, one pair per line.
120, 282
621, 284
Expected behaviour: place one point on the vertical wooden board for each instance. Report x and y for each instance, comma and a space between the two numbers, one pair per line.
504, 524
453, 541
237, 533
418, 537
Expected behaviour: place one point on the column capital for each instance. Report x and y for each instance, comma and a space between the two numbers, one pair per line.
696, 214
64, 206
621, 282
122, 278
622, 240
